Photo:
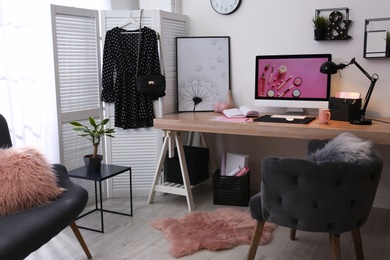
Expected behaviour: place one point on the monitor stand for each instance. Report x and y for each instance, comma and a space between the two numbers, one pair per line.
294, 111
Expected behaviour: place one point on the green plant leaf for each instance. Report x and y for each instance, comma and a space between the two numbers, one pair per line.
75, 123
320, 22
94, 133
104, 121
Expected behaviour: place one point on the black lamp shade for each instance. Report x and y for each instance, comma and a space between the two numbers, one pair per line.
329, 67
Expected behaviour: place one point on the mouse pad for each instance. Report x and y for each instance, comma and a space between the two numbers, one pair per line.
268, 118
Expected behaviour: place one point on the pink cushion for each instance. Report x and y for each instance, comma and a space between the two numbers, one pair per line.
26, 180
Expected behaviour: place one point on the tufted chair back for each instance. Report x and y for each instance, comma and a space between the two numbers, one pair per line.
331, 197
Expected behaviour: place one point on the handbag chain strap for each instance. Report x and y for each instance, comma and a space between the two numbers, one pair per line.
139, 45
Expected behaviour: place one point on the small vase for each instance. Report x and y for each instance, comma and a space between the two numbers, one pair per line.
230, 99
93, 165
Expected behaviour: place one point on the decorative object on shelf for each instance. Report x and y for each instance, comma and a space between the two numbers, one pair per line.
337, 29
330, 67
94, 134
203, 72
320, 24
377, 38
225, 6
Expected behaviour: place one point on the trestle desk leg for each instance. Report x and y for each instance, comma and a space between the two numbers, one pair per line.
161, 160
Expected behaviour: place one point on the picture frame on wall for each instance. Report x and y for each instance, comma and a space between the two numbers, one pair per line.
203, 72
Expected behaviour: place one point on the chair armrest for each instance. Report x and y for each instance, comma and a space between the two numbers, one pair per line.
61, 172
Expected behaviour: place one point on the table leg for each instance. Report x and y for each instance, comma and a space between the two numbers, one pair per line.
101, 205
157, 173
96, 197
185, 189
131, 194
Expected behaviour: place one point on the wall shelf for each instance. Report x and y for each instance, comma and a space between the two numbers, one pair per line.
338, 28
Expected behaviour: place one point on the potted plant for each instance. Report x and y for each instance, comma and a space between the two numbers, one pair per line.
94, 132
321, 24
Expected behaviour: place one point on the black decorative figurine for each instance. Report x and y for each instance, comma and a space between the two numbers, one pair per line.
335, 31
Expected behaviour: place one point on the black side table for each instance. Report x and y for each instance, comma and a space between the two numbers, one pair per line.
107, 171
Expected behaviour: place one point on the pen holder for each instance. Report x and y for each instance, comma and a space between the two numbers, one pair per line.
343, 109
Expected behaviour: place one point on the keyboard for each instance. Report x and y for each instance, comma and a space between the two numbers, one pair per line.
295, 119
288, 117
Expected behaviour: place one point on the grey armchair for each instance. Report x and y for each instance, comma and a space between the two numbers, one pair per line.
24, 232
329, 197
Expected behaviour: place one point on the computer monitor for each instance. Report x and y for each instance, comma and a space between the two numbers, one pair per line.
292, 82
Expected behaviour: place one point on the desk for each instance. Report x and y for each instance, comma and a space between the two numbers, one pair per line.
173, 124
107, 171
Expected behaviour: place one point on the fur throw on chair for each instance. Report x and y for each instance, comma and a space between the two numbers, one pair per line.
346, 147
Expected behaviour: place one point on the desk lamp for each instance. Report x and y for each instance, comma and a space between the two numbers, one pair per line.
330, 67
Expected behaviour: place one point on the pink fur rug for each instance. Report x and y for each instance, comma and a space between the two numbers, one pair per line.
223, 228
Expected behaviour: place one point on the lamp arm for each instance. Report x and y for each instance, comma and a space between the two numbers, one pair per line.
353, 61
373, 80
367, 98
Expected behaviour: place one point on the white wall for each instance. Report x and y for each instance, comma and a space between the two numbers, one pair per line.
284, 27
124, 5
173, 6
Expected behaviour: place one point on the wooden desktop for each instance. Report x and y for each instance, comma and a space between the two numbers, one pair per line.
173, 124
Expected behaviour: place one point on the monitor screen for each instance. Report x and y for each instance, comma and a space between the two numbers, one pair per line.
292, 81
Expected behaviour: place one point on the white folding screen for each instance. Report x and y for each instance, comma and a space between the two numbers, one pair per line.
77, 52
76, 46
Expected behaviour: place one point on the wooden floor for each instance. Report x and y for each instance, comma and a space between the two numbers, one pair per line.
133, 238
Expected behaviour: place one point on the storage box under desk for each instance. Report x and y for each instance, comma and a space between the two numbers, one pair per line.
231, 190
197, 160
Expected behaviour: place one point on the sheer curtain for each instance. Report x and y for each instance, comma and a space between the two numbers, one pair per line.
27, 84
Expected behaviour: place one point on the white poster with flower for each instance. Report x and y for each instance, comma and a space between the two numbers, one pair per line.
203, 72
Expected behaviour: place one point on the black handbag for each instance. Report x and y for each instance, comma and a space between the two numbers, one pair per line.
150, 85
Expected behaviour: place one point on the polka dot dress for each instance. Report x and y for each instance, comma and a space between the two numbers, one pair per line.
120, 54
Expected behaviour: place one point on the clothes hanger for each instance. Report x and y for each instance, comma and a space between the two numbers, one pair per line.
129, 21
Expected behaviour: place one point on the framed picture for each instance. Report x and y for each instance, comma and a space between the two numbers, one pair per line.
203, 72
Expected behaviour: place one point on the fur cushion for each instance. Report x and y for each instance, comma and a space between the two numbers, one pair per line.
26, 180
346, 147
